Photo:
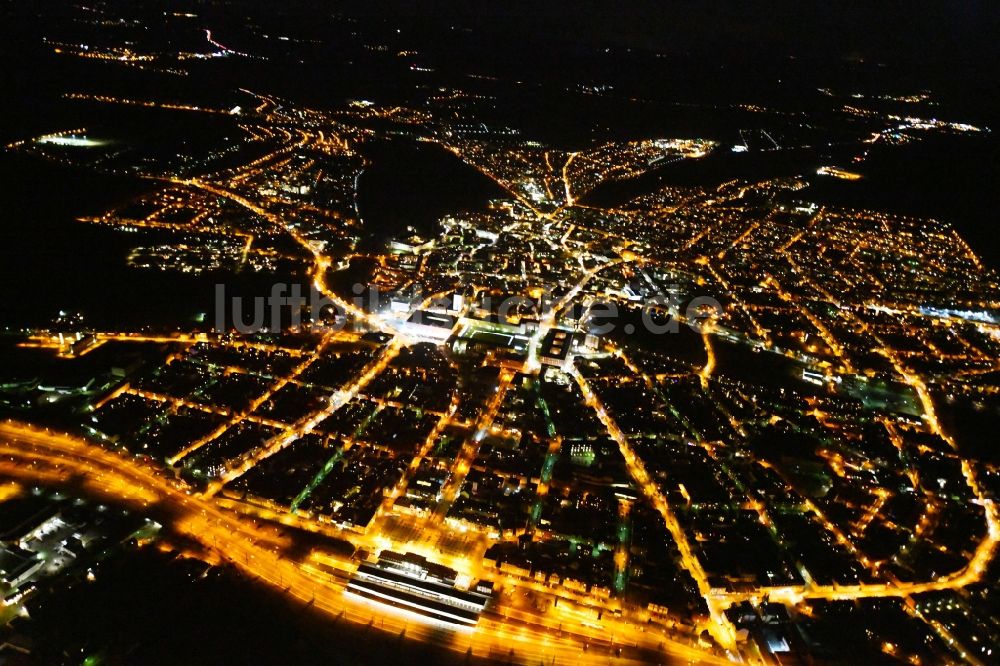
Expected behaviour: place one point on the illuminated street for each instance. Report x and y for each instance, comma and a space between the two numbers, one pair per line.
560, 335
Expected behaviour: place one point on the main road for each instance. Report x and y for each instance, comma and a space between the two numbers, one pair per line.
38, 456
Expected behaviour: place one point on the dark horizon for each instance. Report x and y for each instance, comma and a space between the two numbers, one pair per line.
451, 332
